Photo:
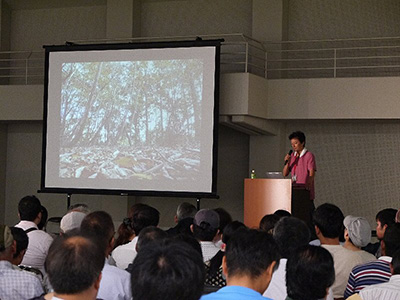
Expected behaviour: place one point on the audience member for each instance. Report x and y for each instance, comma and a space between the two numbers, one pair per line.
214, 272
224, 219
250, 259
388, 290
290, 233
183, 219
43, 219
15, 284
142, 217
21, 242
309, 273
148, 235
384, 218
29, 211
81, 207
115, 283
357, 234
282, 213
377, 271
168, 269
74, 265
125, 232
268, 223
71, 220
205, 228
328, 222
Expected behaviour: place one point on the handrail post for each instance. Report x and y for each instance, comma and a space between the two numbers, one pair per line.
334, 63
247, 58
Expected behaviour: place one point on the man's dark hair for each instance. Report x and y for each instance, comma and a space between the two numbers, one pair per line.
386, 216
282, 213
148, 235
43, 219
204, 232
28, 208
144, 216
21, 239
298, 135
185, 210
191, 241
250, 252
98, 225
224, 218
290, 233
329, 219
396, 263
168, 270
309, 273
392, 239
268, 222
73, 264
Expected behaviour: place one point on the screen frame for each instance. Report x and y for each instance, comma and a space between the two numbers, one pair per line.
124, 46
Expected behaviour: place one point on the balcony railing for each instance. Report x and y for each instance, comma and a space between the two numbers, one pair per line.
364, 57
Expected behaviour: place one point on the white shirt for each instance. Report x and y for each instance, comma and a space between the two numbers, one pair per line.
209, 249
344, 260
38, 246
125, 254
383, 291
277, 287
115, 284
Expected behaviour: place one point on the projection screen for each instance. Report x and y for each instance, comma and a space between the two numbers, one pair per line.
131, 119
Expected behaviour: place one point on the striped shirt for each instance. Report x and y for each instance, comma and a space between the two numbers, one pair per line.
385, 291
374, 272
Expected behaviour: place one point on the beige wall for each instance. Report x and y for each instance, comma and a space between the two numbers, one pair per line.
3, 158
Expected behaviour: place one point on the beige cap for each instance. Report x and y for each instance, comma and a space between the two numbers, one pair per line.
6, 237
71, 221
359, 230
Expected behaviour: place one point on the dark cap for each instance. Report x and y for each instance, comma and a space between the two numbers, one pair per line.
207, 215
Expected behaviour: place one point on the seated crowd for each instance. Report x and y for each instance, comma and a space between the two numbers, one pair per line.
207, 256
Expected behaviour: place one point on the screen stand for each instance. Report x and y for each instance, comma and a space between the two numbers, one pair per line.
68, 201
198, 204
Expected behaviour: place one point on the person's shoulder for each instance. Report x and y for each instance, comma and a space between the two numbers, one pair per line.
115, 271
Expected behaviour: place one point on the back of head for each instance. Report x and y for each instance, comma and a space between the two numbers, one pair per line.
81, 207
168, 270
71, 220
290, 233
224, 218
386, 216
6, 241
268, 222
282, 213
391, 239
144, 216
205, 225
73, 264
250, 252
43, 219
98, 225
28, 208
358, 229
309, 273
231, 229
396, 263
21, 239
185, 210
329, 219
149, 235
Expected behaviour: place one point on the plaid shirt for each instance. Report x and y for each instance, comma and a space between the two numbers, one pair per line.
18, 285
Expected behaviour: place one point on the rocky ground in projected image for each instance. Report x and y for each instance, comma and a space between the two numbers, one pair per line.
139, 163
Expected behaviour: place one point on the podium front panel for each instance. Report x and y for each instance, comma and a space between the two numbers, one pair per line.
265, 196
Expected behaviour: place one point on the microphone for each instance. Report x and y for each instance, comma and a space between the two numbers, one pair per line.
290, 153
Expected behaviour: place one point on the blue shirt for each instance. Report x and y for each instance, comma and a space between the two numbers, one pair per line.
234, 293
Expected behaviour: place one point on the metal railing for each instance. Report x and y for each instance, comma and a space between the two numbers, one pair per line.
364, 57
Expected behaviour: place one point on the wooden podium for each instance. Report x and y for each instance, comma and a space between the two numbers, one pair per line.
265, 196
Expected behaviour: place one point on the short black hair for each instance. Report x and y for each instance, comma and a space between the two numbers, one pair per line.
168, 270
224, 218
298, 135
143, 216
396, 263
148, 235
329, 219
185, 210
73, 264
309, 273
204, 232
282, 213
268, 222
386, 216
290, 233
391, 239
44, 217
98, 225
231, 229
250, 252
29, 207
21, 239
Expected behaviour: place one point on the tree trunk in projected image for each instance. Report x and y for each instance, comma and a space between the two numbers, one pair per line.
138, 119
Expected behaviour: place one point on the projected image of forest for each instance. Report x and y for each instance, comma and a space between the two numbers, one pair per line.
131, 119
